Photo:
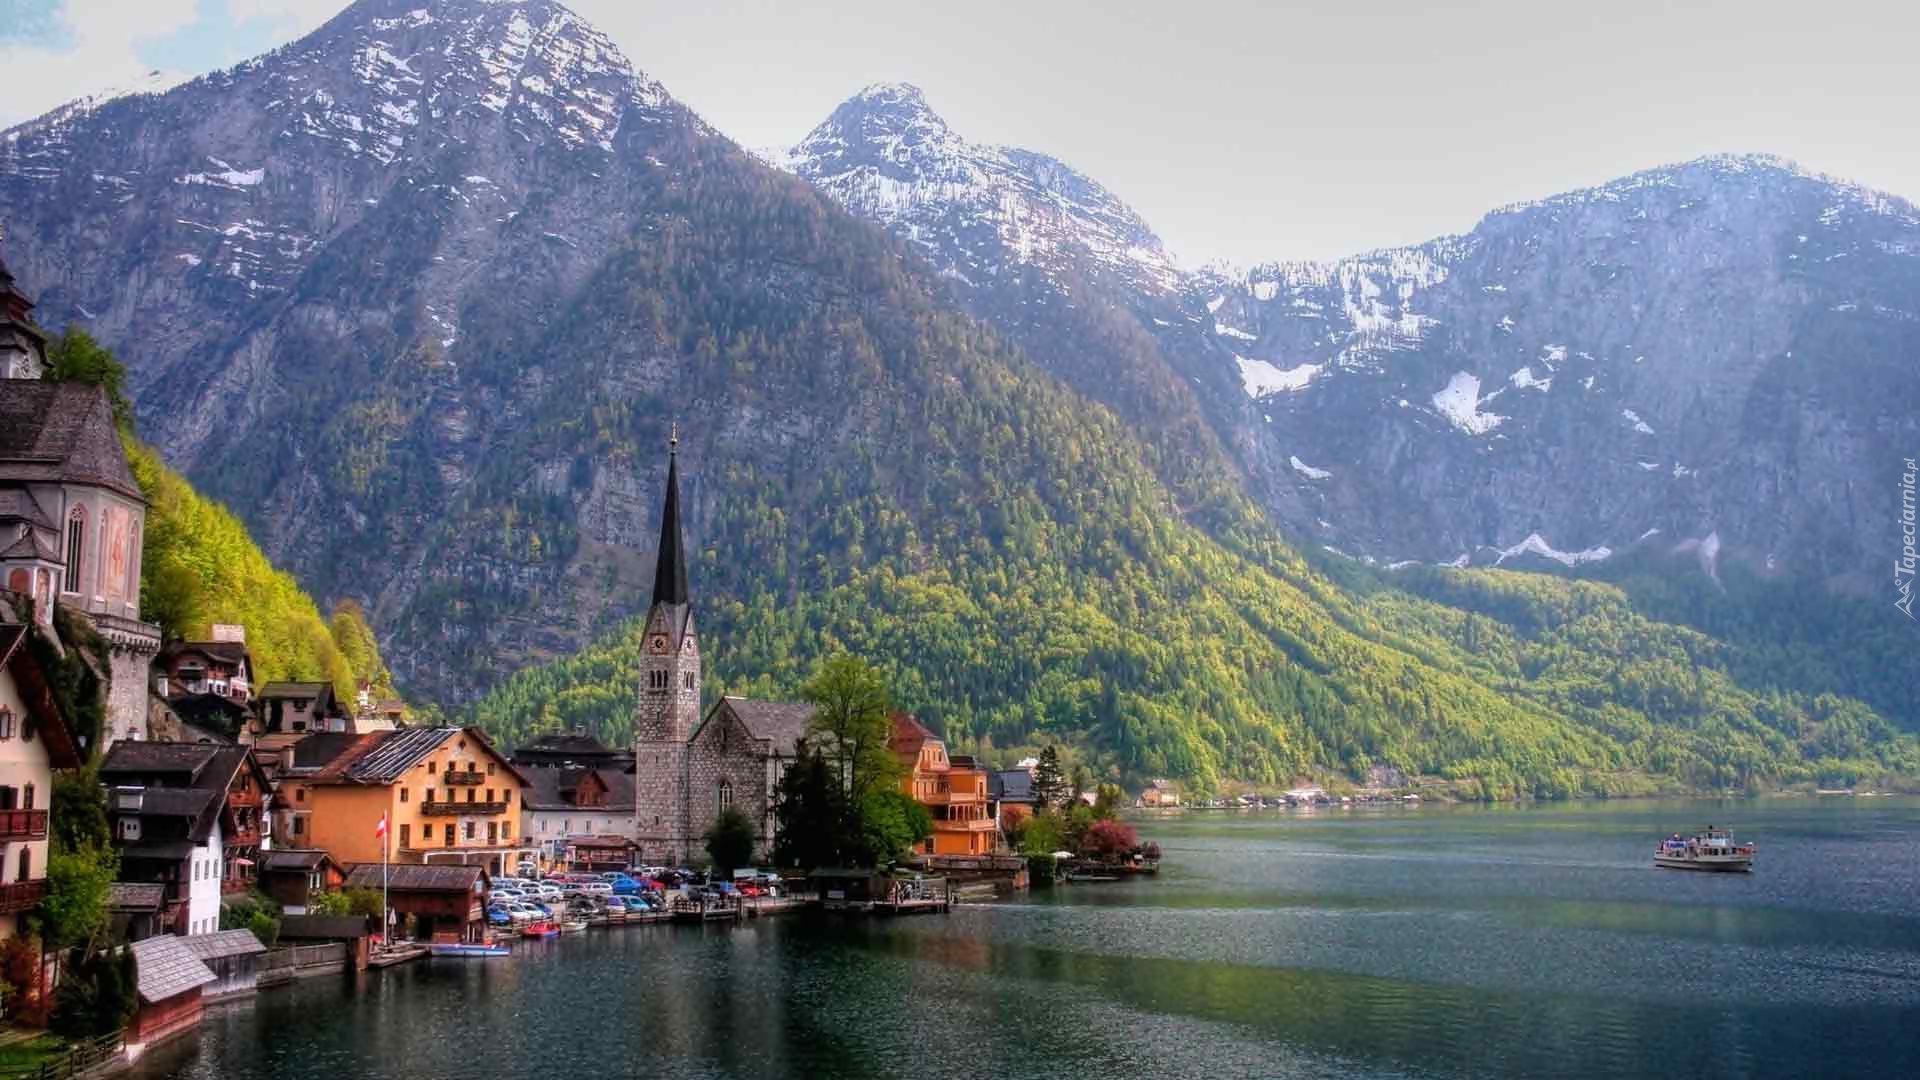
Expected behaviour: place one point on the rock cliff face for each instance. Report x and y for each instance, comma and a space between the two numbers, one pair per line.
1694, 356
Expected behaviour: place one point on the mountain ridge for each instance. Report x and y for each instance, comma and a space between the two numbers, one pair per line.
438, 375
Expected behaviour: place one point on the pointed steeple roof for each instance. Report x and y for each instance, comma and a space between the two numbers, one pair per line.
670, 572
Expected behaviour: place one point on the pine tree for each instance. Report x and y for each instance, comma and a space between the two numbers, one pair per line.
1049, 786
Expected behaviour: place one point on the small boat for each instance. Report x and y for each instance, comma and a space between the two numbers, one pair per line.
1714, 849
468, 948
573, 926
541, 929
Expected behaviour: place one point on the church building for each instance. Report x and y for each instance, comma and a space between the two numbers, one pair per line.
71, 512
688, 768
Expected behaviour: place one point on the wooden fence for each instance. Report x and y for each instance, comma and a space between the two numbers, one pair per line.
78, 1059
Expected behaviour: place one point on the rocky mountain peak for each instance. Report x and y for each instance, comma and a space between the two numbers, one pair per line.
978, 210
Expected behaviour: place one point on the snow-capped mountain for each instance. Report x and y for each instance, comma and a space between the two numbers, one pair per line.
1697, 351
976, 209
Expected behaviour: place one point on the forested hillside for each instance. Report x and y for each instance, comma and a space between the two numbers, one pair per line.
200, 567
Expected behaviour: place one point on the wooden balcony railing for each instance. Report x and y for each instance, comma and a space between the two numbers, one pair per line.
448, 809
22, 895
970, 825
23, 824
468, 777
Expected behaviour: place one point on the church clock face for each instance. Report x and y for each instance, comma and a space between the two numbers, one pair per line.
657, 644
686, 645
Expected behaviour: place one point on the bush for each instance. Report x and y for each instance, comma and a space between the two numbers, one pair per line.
1109, 841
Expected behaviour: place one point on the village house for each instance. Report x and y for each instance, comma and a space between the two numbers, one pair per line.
1011, 791
300, 707
1160, 793
136, 910
170, 836
445, 793
71, 513
955, 796
432, 902
34, 742
573, 802
241, 796
688, 769
562, 748
294, 877
221, 667
168, 978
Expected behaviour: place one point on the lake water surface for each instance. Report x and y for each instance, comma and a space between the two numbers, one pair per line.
1457, 942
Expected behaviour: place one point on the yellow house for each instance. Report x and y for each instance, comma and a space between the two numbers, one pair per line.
33, 743
447, 796
954, 794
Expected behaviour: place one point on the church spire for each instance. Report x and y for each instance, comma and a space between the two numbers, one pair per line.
670, 573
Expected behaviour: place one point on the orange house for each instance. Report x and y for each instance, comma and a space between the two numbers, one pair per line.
956, 795
448, 797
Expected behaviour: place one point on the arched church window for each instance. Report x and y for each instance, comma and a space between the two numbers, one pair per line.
76, 539
725, 795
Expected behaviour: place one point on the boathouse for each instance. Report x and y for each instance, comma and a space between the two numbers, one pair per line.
294, 877
234, 958
169, 978
442, 902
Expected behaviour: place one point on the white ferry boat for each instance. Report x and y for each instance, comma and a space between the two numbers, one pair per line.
1714, 849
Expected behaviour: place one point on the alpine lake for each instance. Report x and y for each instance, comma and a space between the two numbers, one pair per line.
1447, 941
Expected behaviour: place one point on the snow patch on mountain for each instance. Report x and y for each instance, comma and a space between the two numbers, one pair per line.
1535, 544
1261, 378
1460, 403
1307, 470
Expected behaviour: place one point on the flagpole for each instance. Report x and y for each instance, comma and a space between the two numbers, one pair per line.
386, 845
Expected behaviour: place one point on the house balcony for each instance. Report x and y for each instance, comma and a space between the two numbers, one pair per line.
456, 777
449, 809
23, 824
952, 798
967, 825
22, 895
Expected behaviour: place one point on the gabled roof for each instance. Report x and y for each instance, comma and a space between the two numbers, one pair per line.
781, 723
42, 711
1011, 785
221, 944
909, 735
384, 756
174, 759
166, 967
565, 744
313, 749
62, 432
297, 690
227, 652
197, 804
294, 859
416, 877
20, 504
554, 789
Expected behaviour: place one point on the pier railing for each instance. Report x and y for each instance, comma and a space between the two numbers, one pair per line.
80, 1058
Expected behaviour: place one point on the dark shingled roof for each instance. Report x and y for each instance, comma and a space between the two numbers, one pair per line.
782, 723
230, 652
62, 432
569, 742
670, 569
316, 749
415, 877
177, 802
224, 943
136, 896
295, 689
547, 789
166, 967
305, 859
135, 758
1011, 785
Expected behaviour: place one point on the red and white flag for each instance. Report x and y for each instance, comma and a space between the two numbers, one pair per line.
381, 829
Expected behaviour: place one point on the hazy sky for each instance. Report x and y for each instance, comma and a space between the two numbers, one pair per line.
1242, 131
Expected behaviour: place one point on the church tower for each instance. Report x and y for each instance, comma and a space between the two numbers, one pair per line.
669, 702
